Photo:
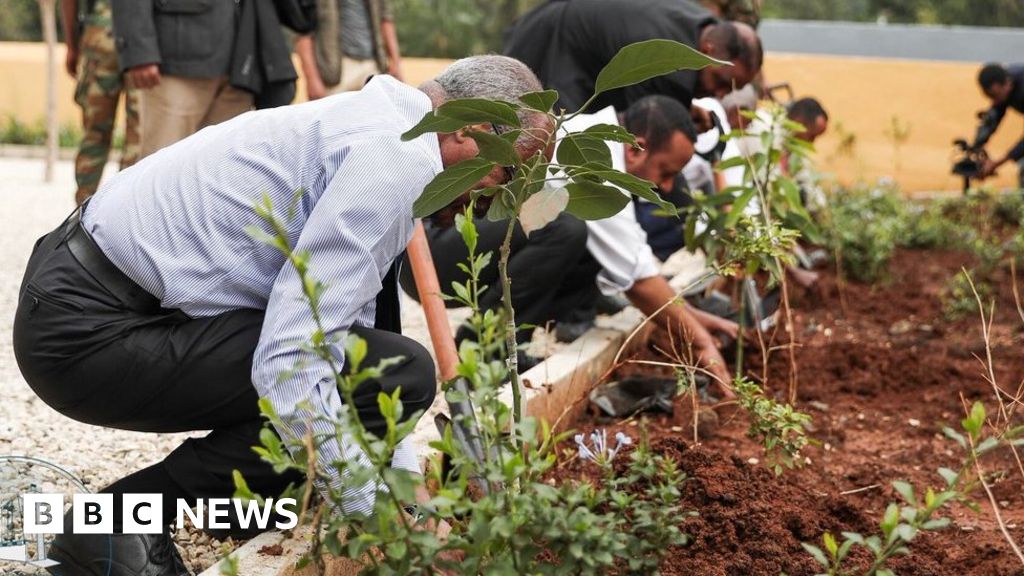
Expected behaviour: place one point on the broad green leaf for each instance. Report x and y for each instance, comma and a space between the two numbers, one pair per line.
819, 556
974, 422
540, 101
480, 111
431, 122
906, 491
738, 207
734, 162
891, 517
578, 149
986, 445
644, 60
830, 543
638, 187
906, 532
954, 435
936, 524
450, 184
502, 207
612, 132
949, 476
591, 201
495, 148
542, 208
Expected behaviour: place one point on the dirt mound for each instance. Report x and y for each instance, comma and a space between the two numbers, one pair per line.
881, 370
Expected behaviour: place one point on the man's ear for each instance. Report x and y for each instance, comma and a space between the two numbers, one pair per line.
636, 155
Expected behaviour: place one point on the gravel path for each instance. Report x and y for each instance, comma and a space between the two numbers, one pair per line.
28, 209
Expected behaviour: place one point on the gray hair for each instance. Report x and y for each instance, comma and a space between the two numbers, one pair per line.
493, 77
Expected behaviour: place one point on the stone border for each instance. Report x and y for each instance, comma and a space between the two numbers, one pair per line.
555, 390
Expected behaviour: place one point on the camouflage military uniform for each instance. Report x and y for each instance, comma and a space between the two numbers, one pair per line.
99, 87
748, 11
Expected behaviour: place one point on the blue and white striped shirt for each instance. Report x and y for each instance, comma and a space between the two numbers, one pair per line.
175, 224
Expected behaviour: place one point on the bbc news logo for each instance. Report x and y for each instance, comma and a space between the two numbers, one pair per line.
143, 513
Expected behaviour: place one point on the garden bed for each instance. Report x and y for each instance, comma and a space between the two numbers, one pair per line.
881, 371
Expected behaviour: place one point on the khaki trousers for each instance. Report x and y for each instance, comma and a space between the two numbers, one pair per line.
353, 75
178, 107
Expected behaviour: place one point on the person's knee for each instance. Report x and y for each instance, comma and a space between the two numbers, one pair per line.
415, 375
417, 379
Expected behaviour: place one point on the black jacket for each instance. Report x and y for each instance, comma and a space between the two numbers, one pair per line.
567, 43
261, 62
189, 38
994, 116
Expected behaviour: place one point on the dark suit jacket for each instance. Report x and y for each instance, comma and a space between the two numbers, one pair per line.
567, 43
190, 38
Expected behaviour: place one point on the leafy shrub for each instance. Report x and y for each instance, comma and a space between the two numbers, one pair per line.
781, 430
864, 226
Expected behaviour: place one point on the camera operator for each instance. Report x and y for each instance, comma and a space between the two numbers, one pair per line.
1004, 86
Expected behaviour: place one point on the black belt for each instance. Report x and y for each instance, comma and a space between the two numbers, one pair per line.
91, 257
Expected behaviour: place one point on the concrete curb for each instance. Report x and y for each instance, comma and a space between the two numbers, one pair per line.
555, 390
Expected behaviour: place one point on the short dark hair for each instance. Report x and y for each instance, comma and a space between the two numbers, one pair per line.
992, 74
656, 118
750, 54
807, 109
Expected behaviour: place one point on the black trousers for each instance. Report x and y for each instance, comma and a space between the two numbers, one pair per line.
553, 275
98, 359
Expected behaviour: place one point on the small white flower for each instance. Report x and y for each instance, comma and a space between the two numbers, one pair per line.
600, 452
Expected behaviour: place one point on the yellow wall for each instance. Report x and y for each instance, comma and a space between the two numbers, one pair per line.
937, 99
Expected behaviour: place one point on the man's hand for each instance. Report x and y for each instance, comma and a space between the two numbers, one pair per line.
71, 61
315, 88
701, 119
711, 359
144, 76
989, 167
395, 69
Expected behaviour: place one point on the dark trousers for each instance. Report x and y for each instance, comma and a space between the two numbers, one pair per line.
553, 275
96, 358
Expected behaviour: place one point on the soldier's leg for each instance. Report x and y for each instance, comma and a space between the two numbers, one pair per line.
130, 154
99, 85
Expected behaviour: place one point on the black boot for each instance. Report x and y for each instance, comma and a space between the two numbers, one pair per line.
115, 555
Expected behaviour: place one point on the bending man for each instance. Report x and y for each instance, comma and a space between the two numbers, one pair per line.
151, 309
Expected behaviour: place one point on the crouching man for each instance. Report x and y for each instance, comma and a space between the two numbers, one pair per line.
152, 309
560, 270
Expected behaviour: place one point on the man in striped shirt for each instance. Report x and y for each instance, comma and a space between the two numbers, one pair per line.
153, 310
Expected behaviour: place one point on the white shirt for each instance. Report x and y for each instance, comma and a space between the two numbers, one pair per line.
175, 223
618, 243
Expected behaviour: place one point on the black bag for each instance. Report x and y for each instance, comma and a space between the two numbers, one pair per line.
298, 15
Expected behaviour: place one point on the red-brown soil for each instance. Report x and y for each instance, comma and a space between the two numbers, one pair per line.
881, 371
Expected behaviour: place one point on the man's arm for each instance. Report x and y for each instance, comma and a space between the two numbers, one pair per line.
135, 37
650, 295
360, 223
389, 34
69, 21
315, 88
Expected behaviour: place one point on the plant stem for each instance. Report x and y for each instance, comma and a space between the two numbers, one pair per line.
743, 325
510, 330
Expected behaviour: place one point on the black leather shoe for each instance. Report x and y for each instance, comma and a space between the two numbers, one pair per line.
115, 555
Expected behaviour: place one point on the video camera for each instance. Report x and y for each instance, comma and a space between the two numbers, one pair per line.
972, 157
